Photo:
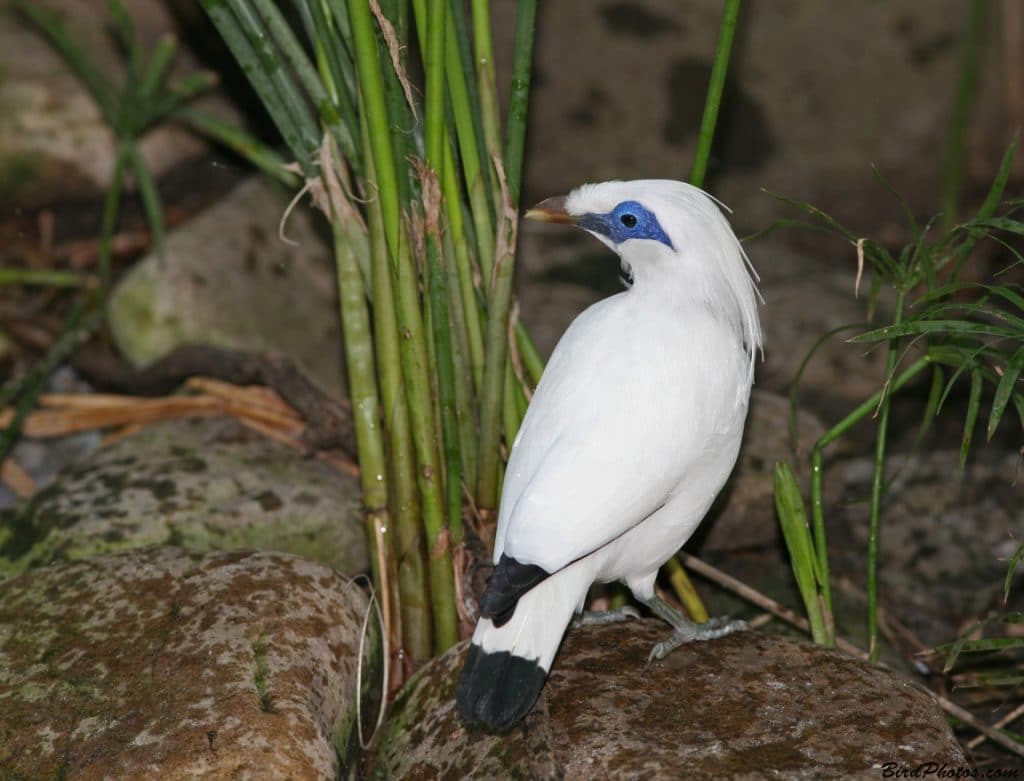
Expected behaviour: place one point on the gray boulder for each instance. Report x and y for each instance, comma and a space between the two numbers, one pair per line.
158, 663
208, 484
746, 705
226, 279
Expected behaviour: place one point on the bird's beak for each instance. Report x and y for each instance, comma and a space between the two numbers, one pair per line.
551, 210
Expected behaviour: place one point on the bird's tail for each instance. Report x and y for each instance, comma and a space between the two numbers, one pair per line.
507, 665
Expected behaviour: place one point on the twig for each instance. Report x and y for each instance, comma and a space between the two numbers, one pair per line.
17, 479
329, 420
1008, 719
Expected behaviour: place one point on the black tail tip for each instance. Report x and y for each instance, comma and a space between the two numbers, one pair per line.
497, 689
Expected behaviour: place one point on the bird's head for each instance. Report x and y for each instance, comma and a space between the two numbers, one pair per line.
672, 239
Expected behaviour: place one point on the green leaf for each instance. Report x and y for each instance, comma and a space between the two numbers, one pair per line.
991, 679
241, 143
151, 205
163, 54
973, 404
789, 504
1005, 389
936, 327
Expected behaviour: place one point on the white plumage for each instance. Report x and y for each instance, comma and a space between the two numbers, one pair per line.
632, 432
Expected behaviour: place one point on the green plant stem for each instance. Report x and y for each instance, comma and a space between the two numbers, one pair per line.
472, 152
289, 95
464, 270
44, 277
421, 412
371, 84
359, 361
410, 549
863, 410
956, 148
716, 85
493, 400
108, 222
876, 490
522, 61
490, 119
256, 68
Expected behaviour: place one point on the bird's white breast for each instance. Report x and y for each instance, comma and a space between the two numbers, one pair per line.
633, 397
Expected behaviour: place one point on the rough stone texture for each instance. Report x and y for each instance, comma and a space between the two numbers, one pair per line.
208, 484
748, 705
744, 515
226, 279
54, 143
945, 535
635, 110
160, 664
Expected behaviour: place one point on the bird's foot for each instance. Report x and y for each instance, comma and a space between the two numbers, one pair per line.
624, 613
689, 632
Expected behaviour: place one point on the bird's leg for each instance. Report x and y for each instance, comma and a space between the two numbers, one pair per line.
684, 630
590, 618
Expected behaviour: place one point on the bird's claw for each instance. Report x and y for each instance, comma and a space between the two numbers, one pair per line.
624, 613
712, 629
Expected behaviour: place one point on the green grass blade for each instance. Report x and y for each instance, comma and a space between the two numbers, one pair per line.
962, 327
988, 206
973, 403
155, 72
254, 68
793, 520
716, 85
1005, 389
247, 146
151, 205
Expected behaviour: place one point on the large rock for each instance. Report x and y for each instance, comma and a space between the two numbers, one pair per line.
227, 279
161, 664
745, 704
54, 143
208, 484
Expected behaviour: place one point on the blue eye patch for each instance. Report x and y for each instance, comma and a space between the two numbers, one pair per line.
628, 220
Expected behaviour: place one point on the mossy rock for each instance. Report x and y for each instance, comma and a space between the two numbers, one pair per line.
205, 485
745, 705
160, 663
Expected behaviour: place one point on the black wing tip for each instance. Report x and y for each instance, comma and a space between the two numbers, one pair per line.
510, 580
497, 689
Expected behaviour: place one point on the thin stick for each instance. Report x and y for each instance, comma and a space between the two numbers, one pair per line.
1008, 719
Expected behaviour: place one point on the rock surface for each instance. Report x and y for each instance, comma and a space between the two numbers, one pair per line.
54, 143
160, 664
208, 484
226, 279
748, 704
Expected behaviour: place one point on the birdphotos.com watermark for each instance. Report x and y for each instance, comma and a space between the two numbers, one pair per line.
943, 770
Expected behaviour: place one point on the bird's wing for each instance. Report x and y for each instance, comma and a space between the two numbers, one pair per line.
609, 434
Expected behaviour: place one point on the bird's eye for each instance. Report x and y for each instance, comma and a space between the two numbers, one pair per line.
628, 220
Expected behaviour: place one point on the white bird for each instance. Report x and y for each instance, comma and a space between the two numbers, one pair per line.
632, 432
